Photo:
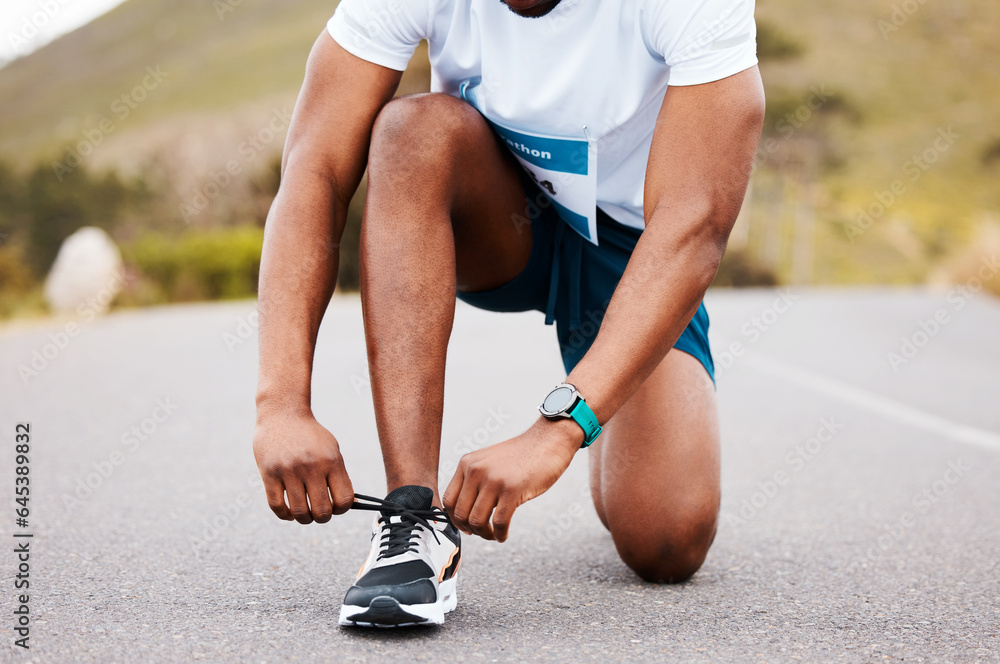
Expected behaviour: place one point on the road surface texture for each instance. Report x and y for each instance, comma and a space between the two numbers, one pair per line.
860, 520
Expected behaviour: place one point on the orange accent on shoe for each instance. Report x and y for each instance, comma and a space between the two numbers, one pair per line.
450, 561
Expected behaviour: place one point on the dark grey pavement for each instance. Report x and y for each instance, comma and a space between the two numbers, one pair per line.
861, 512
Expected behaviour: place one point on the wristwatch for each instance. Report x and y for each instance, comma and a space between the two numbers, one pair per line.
565, 401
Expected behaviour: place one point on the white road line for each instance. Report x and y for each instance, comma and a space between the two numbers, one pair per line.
870, 401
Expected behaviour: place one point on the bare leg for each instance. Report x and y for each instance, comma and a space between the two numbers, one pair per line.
654, 474
442, 199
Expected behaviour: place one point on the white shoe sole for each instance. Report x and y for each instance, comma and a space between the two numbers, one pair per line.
385, 611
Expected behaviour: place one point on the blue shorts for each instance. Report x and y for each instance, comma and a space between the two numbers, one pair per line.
572, 281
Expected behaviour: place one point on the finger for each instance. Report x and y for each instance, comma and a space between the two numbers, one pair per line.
341, 488
479, 517
464, 502
453, 490
276, 498
321, 507
502, 516
297, 503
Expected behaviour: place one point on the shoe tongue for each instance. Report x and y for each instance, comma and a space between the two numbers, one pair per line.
411, 497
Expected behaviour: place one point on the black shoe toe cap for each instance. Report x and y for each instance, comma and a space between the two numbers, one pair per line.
421, 591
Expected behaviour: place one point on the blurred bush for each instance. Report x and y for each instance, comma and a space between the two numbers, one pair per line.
740, 269
20, 293
166, 259
991, 154
15, 275
976, 266
38, 209
213, 264
774, 44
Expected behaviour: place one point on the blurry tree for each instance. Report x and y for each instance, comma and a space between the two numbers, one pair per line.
15, 275
739, 268
991, 153
774, 44
52, 209
263, 188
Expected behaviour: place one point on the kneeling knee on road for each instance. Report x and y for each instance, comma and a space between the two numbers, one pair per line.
670, 555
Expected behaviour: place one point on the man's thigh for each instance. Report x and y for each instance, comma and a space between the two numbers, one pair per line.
433, 156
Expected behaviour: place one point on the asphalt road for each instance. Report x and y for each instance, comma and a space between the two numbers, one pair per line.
861, 512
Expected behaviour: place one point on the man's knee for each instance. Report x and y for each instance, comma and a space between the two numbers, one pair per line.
422, 128
669, 551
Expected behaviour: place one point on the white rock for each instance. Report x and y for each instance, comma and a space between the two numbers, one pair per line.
88, 272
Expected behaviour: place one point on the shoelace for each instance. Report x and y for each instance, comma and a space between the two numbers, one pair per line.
397, 538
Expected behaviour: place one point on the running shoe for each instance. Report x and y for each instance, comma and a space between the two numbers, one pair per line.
409, 576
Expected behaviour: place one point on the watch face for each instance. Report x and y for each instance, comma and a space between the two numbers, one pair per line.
558, 400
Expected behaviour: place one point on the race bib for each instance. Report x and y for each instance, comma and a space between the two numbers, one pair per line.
564, 168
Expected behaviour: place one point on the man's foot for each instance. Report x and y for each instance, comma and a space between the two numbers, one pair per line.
409, 576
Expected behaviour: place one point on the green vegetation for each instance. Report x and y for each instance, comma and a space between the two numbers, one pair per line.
37, 212
886, 175
20, 294
217, 264
221, 69
162, 122
166, 260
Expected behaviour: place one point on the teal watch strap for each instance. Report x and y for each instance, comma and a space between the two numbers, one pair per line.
584, 416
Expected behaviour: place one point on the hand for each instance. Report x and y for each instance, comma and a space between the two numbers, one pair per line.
508, 474
297, 457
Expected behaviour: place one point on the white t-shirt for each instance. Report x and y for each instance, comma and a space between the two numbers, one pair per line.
574, 93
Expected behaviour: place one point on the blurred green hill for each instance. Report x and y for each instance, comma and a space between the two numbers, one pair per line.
166, 93
223, 62
897, 75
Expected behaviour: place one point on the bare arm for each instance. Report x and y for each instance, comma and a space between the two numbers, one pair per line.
699, 166
698, 170
325, 156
